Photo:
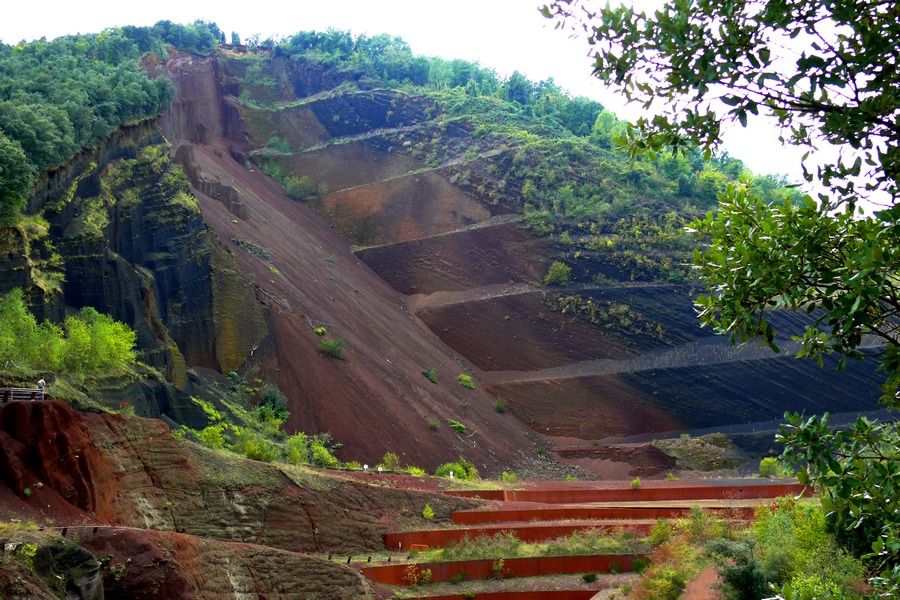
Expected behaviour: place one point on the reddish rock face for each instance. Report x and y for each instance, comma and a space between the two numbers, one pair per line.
117, 470
47, 447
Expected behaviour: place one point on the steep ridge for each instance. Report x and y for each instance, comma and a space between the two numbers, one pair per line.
377, 399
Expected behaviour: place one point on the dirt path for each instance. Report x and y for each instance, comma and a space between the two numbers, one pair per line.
703, 587
708, 351
492, 222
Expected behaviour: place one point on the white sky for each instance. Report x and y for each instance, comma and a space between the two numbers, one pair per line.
504, 35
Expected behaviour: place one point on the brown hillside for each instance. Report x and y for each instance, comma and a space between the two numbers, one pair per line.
377, 400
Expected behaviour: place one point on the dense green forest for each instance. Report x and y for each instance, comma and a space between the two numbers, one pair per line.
60, 96
566, 157
70, 93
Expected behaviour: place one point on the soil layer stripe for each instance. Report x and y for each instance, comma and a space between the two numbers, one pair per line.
511, 567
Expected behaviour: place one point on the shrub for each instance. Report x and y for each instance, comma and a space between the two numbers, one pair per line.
635, 483
500, 405
433, 423
462, 469
92, 342
497, 571
640, 565
666, 584
300, 188
416, 575
276, 143
457, 426
508, 477
772, 467
589, 577
416, 471
459, 578
427, 512
466, 381
391, 462
212, 436
661, 532
430, 374
270, 395
256, 447
768, 467
296, 449
333, 348
558, 274
322, 456
320, 331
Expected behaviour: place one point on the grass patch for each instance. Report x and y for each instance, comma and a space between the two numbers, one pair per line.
332, 348
430, 374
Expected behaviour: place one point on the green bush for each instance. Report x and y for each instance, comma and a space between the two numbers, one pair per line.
640, 565
90, 342
322, 456
300, 188
665, 584
320, 331
462, 469
590, 577
391, 462
270, 395
433, 423
508, 477
772, 467
457, 426
501, 405
431, 374
466, 381
213, 436
635, 483
333, 348
428, 512
296, 449
280, 145
558, 274
256, 447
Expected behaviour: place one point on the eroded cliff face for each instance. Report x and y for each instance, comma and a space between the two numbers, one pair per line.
128, 239
220, 525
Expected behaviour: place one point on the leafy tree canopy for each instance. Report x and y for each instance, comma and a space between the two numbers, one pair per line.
70, 93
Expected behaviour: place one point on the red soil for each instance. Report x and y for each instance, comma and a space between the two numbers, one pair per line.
377, 399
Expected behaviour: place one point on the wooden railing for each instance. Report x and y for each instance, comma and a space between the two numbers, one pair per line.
9, 394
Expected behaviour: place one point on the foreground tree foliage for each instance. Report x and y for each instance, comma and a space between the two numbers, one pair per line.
826, 73
89, 342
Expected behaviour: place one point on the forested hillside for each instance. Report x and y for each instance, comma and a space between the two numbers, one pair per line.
70, 93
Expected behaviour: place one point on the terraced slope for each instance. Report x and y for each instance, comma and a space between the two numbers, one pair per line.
542, 512
414, 249
471, 270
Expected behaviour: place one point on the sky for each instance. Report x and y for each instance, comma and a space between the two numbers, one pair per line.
504, 35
